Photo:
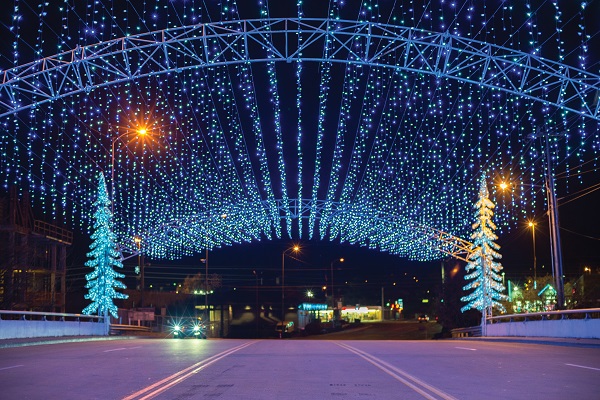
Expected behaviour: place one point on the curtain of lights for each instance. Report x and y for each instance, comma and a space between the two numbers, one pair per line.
353, 150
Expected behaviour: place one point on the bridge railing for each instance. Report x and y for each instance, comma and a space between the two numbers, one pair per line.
584, 313
46, 316
579, 324
29, 324
582, 323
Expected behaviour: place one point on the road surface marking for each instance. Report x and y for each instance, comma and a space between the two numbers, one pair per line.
399, 375
160, 386
583, 366
465, 348
13, 366
120, 348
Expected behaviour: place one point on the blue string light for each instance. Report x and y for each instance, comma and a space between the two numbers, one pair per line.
252, 140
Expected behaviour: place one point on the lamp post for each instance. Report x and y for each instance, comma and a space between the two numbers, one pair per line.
257, 311
532, 225
484, 311
283, 254
333, 308
341, 260
138, 242
206, 313
205, 260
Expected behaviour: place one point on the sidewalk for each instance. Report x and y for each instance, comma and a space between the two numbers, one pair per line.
589, 343
6, 343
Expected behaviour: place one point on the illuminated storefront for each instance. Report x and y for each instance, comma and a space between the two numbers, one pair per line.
310, 312
361, 313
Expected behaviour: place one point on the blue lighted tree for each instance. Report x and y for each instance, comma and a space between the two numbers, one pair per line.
482, 270
104, 257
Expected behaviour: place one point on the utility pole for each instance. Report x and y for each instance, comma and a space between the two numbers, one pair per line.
484, 296
206, 314
555, 246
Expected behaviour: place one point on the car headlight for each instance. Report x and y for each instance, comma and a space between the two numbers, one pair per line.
177, 328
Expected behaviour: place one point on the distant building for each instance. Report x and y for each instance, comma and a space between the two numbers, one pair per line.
586, 291
33, 258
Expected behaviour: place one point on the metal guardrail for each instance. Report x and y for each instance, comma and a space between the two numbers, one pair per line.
47, 316
472, 331
53, 232
584, 313
120, 328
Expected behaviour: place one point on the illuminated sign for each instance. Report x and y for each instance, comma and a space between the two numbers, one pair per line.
312, 307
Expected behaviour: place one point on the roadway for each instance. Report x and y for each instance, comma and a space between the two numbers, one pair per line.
299, 369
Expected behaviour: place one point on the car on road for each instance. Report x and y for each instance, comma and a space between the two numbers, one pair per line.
188, 328
288, 328
423, 318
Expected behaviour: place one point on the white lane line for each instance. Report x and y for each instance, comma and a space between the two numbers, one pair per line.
465, 348
160, 386
583, 366
136, 347
13, 366
119, 349
398, 374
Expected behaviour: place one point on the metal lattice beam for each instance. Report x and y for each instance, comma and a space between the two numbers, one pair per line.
84, 69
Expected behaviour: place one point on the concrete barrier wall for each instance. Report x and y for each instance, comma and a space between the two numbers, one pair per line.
12, 329
564, 328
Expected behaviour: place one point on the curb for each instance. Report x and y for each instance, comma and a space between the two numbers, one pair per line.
565, 342
10, 343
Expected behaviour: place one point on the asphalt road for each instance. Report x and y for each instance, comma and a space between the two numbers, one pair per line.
398, 330
299, 369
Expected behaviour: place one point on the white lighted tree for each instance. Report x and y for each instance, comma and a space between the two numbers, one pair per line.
104, 258
482, 270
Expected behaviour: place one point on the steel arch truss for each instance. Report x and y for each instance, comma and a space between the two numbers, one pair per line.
349, 223
86, 68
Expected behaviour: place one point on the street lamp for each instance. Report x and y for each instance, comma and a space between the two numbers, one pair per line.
340, 260
532, 225
295, 249
140, 132
138, 242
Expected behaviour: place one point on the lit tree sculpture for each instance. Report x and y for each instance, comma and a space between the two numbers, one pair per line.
104, 257
482, 270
